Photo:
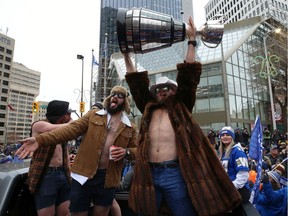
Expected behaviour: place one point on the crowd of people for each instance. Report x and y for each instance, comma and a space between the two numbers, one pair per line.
176, 170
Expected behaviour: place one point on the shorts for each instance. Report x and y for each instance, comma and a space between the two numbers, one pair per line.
54, 189
91, 191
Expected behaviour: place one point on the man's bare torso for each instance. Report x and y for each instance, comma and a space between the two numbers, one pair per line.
111, 135
57, 158
162, 137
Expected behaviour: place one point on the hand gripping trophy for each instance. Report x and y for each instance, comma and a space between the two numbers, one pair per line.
141, 30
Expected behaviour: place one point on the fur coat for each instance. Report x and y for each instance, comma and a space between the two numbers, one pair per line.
209, 187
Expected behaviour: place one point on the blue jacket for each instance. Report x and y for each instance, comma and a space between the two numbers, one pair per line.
271, 202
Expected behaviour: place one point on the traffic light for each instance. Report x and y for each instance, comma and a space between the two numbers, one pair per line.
35, 107
82, 107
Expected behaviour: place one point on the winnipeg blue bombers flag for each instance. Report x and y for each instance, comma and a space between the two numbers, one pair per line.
255, 152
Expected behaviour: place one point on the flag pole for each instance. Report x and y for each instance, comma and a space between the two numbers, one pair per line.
278, 164
91, 79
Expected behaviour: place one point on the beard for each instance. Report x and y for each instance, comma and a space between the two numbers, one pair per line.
168, 101
117, 109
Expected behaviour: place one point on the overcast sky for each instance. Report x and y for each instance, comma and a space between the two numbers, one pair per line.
49, 35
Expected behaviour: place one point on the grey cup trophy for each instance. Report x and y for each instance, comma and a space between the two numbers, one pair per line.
141, 30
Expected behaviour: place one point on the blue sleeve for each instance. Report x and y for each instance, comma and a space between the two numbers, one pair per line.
274, 196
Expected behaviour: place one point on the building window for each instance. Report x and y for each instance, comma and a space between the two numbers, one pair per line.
4, 90
8, 59
6, 75
5, 82
8, 51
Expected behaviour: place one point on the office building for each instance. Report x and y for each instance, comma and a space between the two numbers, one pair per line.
6, 59
235, 10
24, 88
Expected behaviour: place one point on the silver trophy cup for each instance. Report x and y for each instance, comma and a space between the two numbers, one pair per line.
141, 30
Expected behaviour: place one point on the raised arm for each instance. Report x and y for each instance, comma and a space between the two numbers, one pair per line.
191, 33
130, 67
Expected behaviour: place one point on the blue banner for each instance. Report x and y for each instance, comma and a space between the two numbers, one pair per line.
255, 153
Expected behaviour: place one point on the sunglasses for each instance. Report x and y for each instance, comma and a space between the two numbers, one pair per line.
163, 88
118, 95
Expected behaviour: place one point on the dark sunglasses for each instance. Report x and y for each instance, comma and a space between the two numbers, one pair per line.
163, 88
118, 95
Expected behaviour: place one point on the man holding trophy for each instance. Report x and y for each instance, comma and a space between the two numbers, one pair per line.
175, 163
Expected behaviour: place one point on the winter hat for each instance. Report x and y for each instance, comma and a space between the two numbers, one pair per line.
163, 81
122, 90
275, 176
227, 130
56, 109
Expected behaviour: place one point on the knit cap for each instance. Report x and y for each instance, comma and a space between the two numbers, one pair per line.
275, 176
227, 130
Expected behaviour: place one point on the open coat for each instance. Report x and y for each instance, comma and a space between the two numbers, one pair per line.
210, 189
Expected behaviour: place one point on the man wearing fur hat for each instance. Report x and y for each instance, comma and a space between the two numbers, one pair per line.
95, 176
50, 164
175, 161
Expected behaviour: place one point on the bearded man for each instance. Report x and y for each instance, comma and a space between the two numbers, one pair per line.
95, 176
175, 162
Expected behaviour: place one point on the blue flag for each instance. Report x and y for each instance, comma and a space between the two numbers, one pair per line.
94, 61
255, 152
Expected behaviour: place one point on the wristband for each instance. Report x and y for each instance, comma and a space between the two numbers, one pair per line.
194, 43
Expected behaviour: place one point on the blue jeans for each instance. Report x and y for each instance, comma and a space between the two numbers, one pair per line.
171, 187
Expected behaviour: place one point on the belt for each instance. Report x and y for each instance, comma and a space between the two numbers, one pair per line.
165, 164
54, 169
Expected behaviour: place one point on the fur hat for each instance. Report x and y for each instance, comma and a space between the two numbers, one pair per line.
56, 109
227, 130
275, 176
163, 81
122, 90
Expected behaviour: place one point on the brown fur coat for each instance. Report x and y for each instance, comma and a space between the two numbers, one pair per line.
210, 189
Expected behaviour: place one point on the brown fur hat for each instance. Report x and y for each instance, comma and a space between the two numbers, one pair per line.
122, 90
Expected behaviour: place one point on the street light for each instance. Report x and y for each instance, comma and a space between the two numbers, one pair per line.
270, 71
82, 58
105, 64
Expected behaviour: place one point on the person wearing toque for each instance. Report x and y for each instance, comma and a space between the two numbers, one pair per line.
235, 162
176, 165
272, 199
108, 137
50, 164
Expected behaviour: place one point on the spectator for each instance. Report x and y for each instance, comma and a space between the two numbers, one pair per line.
266, 139
239, 136
212, 136
272, 200
95, 176
246, 137
274, 155
235, 162
276, 137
